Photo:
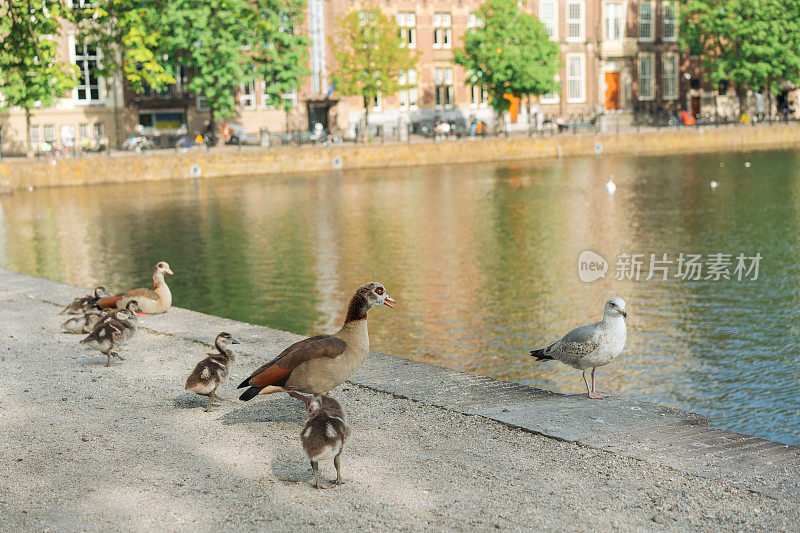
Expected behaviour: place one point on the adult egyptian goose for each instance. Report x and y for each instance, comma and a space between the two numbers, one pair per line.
592, 345
151, 301
110, 334
82, 305
212, 371
324, 434
318, 364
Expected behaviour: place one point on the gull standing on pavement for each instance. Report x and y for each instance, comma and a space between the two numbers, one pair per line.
592, 345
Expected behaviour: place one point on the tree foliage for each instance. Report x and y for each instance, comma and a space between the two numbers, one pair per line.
369, 55
208, 37
31, 73
510, 54
279, 52
126, 35
753, 44
224, 43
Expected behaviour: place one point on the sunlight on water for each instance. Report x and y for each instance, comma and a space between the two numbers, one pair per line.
482, 260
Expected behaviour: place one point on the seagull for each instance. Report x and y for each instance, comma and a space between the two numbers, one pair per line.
611, 186
592, 345
747, 164
714, 184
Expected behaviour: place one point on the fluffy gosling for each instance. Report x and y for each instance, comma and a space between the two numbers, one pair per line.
324, 434
209, 373
108, 335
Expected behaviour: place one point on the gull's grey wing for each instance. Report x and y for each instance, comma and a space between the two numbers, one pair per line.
575, 344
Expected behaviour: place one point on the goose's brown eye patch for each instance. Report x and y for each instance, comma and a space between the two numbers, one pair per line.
379, 291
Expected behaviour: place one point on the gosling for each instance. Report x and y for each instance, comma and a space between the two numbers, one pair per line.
83, 323
209, 373
108, 335
82, 305
324, 434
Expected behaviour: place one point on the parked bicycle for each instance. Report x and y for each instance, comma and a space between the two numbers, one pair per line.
138, 143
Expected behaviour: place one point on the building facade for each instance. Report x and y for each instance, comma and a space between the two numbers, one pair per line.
620, 58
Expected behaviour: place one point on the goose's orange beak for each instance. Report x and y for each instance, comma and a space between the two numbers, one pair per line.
389, 301
169, 271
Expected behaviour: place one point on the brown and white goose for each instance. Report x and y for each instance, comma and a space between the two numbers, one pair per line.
318, 364
151, 301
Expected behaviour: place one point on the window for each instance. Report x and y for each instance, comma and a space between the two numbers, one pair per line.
98, 130
576, 78
548, 14
614, 21
68, 136
49, 131
479, 97
670, 73
202, 103
292, 97
266, 100
670, 23
645, 21
83, 132
407, 95
443, 80
86, 61
35, 139
575, 26
408, 31
80, 4
474, 22
247, 95
551, 98
442, 32
377, 102
645, 71
364, 17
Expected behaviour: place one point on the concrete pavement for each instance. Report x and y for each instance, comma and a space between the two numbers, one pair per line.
84, 447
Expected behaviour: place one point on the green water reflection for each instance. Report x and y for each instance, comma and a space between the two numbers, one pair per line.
482, 260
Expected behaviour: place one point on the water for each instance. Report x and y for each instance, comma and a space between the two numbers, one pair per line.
482, 260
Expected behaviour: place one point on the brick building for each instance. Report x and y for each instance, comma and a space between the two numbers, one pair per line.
620, 59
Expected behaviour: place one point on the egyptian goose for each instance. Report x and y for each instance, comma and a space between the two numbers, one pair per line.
592, 345
151, 301
212, 371
112, 333
318, 364
81, 305
324, 434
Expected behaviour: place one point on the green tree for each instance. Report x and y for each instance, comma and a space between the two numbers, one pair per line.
754, 44
209, 38
125, 34
224, 43
279, 53
31, 74
369, 56
510, 53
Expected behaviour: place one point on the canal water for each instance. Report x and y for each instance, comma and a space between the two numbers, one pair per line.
483, 261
